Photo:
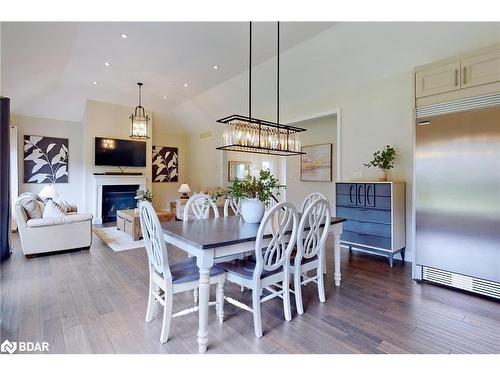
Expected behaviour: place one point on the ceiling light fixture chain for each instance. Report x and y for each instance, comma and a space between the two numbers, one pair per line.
248, 134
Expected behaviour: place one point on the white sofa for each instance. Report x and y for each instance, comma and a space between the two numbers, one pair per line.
72, 231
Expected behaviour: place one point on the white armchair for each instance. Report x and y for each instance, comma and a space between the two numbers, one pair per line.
72, 231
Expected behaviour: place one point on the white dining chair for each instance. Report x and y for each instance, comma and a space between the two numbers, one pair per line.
310, 199
199, 206
271, 264
311, 242
171, 278
233, 204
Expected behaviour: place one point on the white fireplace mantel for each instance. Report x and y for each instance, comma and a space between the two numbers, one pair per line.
101, 180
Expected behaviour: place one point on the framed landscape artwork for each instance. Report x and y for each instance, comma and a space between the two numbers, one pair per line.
45, 160
316, 163
165, 166
239, 170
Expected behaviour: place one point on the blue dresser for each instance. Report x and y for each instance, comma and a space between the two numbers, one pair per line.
375, 213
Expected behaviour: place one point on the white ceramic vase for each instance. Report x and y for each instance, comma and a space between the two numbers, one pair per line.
252, 210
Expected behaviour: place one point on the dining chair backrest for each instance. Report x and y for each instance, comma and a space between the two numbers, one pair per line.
232, 204
153, 239
310, 199
277, 253
313, 230
199, 206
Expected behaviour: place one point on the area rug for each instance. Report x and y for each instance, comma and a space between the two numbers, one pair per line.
117, 239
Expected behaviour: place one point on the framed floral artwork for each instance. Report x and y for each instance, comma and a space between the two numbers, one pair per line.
45, 159
165, 166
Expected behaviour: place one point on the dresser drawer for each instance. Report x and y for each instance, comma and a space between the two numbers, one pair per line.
383, 190
367, 227
366, 240
364, 214
382, 203
346, 189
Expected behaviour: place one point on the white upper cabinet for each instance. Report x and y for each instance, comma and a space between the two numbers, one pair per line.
462, 72
438, 79
481, 69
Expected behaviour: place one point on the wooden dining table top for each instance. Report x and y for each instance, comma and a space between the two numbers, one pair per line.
215, 232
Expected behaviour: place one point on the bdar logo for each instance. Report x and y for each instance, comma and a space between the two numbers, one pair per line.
9, 347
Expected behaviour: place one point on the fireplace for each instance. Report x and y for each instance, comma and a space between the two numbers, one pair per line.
124, 187
117, 197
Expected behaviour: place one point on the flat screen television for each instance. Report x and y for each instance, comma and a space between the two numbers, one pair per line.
120, 152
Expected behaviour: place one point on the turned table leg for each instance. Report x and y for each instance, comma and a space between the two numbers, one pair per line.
337, 231
204, 263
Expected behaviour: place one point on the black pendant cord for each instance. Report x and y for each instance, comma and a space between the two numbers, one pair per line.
140, 94
278, 76
250, 76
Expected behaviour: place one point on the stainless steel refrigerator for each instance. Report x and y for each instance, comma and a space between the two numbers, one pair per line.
457, 197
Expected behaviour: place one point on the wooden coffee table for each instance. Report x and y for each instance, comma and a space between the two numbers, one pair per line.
129, 221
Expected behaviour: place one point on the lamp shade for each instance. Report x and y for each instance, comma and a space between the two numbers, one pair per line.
49, 191
184, 188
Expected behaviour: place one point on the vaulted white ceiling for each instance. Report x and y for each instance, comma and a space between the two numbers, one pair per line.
48, 68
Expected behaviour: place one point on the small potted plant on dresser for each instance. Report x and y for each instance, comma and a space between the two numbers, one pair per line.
255, 193
143, 195
384, 160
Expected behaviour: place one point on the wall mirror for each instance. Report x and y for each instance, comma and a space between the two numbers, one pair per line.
238, 169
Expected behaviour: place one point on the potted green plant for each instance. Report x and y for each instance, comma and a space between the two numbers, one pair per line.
384, 160
254, 192
143, 195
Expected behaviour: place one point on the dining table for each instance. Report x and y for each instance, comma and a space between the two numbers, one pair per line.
217, 239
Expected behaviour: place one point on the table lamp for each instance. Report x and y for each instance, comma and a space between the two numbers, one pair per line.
49, 192
184, 189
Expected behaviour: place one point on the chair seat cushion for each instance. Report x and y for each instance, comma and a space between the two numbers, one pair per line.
61, 220
245, 268
187, 270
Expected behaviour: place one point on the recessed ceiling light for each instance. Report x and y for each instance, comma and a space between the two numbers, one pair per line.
124, 36
94, 82
165, 98
107, 63
215, 67
186, 85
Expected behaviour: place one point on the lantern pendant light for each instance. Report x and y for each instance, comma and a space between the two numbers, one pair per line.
139, 125
249, 134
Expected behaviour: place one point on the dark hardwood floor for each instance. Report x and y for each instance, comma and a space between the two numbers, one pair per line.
95, 301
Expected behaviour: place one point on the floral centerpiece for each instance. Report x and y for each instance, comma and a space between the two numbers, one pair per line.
143, 195
255, 193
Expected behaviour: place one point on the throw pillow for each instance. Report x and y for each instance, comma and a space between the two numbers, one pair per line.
53, 209
68, 207
32, 209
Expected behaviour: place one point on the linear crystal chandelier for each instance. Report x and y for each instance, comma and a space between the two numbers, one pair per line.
248, 134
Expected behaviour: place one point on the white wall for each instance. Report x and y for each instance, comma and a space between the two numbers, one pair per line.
101, 120
72, 191
106, 120
365, 69
166, 192
319, 131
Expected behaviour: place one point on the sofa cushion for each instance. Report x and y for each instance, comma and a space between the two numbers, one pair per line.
33, 208
53, 210
59, 220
